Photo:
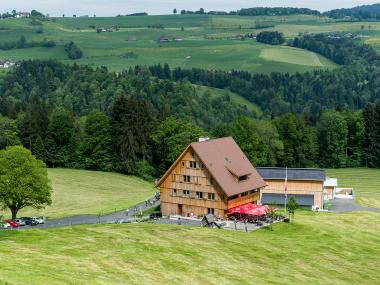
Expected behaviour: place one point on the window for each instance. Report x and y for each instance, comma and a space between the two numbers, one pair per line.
192, 164
210, 211
186, 193
186, 178
183, 164
174, 192
243, 178
211, 196
199, 195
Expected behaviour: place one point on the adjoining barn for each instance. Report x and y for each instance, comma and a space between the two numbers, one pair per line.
306, 184
209, 177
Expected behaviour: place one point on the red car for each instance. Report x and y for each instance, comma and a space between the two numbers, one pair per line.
13, 224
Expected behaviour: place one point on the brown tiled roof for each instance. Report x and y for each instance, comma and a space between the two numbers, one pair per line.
226, 162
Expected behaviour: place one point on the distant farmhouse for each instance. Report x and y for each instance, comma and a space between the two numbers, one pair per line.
23, 15
213, 176
4, 64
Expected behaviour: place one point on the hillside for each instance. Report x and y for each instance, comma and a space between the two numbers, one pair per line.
204, 41
235, 98
79, 192
317, 249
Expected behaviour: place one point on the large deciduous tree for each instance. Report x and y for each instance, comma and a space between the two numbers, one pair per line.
24, 180
170, 139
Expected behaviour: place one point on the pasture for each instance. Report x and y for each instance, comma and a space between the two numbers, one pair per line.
319, 248
79, 192
365, 181
203, 41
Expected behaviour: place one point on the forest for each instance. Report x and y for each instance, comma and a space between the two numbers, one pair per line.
138, 121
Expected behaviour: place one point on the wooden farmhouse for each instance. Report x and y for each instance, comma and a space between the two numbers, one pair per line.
306, 184
209, 177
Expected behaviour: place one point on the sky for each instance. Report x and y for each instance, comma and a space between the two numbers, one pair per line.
115, 7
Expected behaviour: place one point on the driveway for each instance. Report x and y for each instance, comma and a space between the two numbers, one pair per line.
342, 205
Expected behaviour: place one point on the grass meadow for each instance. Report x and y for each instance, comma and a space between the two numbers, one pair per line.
366, 183
319, 248
79, 192
208, 42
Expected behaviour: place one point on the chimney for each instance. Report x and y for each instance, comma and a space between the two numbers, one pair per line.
203, 139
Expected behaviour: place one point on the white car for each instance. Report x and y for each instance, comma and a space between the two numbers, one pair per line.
5, 226
40, 220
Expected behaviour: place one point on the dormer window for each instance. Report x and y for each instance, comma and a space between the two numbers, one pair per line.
243, 178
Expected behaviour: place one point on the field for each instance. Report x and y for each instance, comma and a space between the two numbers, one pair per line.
78, 192
317, 249
236, 98
366, 183
209, 42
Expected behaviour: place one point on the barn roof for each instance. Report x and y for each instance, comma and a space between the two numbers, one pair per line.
225, 161
279, 173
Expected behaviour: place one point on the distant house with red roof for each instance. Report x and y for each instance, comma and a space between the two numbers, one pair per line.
209, 177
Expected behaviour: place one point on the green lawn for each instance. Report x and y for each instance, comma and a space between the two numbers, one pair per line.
366, 183
319, 248
77, 192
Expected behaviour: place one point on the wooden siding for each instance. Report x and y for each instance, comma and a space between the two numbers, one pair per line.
296, 187
184, 200
254, 197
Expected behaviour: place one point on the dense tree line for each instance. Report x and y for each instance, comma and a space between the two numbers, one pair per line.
276, 11
258, 11
339, 49
365, 12
23, 43
270, 37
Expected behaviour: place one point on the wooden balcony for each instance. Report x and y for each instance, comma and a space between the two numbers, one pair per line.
243, 200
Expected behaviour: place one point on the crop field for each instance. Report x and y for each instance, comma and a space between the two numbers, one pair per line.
319, 248
79, 192
366, 183
203, 41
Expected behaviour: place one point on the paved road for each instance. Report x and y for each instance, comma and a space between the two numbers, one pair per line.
94, 219
341, 205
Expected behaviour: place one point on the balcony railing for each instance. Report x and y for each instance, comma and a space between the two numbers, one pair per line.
243, 200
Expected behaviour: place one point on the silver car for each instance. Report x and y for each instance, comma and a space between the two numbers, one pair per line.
21, 222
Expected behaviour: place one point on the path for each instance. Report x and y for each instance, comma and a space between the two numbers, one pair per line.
94, 219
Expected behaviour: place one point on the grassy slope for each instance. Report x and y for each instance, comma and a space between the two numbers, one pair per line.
89, 192
317, 249
236, 98
209, 41
366, 183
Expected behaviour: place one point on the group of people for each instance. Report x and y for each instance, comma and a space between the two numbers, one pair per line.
138, 210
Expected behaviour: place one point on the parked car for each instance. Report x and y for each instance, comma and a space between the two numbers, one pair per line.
5, 225
29, 221
155, 215
20, 222
40, 220
13, 224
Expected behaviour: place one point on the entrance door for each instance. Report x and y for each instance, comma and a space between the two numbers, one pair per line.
179, 212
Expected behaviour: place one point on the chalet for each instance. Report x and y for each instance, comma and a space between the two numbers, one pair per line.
306, 184
209, 177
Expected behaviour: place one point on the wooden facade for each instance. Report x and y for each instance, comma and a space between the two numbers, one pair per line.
296, 187
190, 190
